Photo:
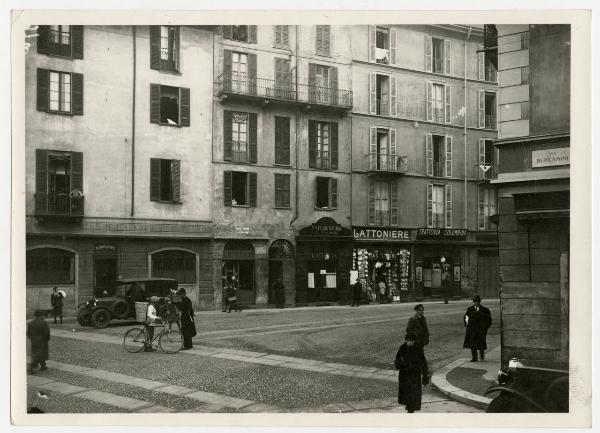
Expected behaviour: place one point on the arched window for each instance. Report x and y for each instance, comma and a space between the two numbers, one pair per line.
50, 266
177, 264
281, 250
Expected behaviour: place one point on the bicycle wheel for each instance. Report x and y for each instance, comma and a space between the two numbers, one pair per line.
134, 339
170, 341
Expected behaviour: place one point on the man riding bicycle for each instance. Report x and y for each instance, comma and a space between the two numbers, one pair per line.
152, 319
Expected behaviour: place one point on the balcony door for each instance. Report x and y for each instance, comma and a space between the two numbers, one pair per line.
322, 84
59, 183
239, 72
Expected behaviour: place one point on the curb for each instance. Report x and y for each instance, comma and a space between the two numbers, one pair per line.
439, 382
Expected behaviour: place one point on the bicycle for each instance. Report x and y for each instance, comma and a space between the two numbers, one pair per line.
169, 340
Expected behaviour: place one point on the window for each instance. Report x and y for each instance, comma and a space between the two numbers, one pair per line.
284, 87
169, 105
164, 48
177, 264
487, 70
383, 203
487, 110
438, 57
240, 33
59, 179
439, 206
239, 132
63, 41
282, 140
326, 193
59, 92
323, 40
165, 182
239, 188
239, 72
282, 190
282, 36
382, 45
438, 149
488, 159
438, 102
383, 97
323, 145
382, 150
487, 207
50, 266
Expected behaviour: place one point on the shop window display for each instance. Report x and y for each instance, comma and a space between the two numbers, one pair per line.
390, 266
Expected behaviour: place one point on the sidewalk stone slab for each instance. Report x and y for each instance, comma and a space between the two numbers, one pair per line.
371, 404
38, 380
62, 388
114, 400
219, 400
293, 360
307, 367
243, 352
206, 408
123, 378
336, 408
156, 409
174, 390
70, 368
251, 360
261, 407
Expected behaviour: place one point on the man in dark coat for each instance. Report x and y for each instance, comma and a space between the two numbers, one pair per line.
417, 325
356, 292
412, 371
188, 326
38, 332
56, 300
477, 319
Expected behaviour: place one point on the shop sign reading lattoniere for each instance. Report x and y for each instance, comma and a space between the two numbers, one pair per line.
373, 233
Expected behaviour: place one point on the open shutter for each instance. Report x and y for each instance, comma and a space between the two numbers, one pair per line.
481, 109
448, 156
448, 56
227, 135
176, 47
333, 78
252, 143
77, 41
372, 93
333, 139
333, 193
77, 93
176, 179
393, 161
41, 180
252, 189
313, 92
429, 205
227, 32
285, 35
252, 73
372, 37
155, 103
429, 105
77, 171
278, 38
319, 39
154, 179
447, 103
394, 208
43, 87
480, 172
480, 209
42, 40
429, 154
184, 98
327, 40
448, 191
371, 206
227, 188
251, 34
428, 53
312, 143
393, 96
373, 149
481, 63
278, 181
393, 58
227, 69
155, 47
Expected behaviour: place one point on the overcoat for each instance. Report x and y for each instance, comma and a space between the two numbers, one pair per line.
56, 300
188, 326
38, 332
356, 290
418, 325
477, 324
412, 371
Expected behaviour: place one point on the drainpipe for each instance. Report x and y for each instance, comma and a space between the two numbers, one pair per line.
296, 132
466, 217
133, 128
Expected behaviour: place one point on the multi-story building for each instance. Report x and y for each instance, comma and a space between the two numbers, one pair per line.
423, 119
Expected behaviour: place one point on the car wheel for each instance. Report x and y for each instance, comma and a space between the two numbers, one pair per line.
120, 309
83, 319
100, 318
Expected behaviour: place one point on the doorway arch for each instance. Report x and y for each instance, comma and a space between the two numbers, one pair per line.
281, 265
238, 263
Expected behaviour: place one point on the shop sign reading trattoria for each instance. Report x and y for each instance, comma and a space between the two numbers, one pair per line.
437, 234
372, 233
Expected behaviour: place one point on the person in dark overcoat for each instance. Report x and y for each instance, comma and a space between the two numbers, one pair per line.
417, 325
188, 325
356, 292
477, 320
56, 301
38, 332
412, 372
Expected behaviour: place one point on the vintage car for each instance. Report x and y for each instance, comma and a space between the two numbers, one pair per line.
99, 311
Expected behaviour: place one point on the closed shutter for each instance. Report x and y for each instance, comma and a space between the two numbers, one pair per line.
285, 38
394, 205
155, 47
176, 180
372, 93
77, 41
429, 205
227, 188
312, 78
252, 137
227, 135
372, 39
251, 34
333, 193
448, 194
480, 209
278, 142
252, 73
448, 56
428, 53
447, 103
333, 137
227, 32
312, 143
278, 188
393, 58
252, 185
41, 180
77, 171
319, 40
326, 40
429, 154
227, 70
154, 179
481, 109
43, 87
43, 39
77, 93
277, 37
393, 96
373, 156
280, 75
448, 156
480, 172
184, 98
481, 64
282, 140
333, 81
155, 103
429, 99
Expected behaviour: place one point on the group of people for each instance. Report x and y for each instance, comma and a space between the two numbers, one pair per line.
410, 360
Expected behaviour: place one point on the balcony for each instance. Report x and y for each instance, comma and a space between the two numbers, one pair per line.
491, 74
383, 107
58, 205
491, 173
490, 121
384, 164
266, 91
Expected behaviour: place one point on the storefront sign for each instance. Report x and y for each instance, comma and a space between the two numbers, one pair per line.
322, 255
372, 233
242, 230
550, 157
325, 227
105, 249
437, 234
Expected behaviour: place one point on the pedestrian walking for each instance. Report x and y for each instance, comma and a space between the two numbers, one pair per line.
227, 287
356, 292
56, 301
382, 291
231, 299
38, 333
173, 314
477, 320
188, 326
417, 325
279, 291
446, 285
152, 319
412, 372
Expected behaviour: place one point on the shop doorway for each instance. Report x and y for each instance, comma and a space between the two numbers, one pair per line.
238, 264
281, 266
105, 270
487, 274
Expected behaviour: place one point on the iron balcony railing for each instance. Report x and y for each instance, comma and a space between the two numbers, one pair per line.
490, 121
284, 90
240, 151
491, 74
383, 107
382, 217
439, 168
55, 204
438, 65
322, 159
382, 162
489, 174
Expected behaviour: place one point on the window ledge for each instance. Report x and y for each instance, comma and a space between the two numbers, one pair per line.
58, 56
325, 208
283, 207
60, 113
169, 71
168, 124
283, 165
239, 205
239, 162
167, 201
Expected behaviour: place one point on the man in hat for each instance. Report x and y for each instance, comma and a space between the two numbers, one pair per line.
38, 332
417, 325
188, 325
56, 300
477, 320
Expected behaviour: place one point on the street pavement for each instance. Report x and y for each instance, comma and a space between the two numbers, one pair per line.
322, 359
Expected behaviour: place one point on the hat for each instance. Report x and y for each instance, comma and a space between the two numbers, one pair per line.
476, 298
418, 306
181, 291
39, 313
410, 336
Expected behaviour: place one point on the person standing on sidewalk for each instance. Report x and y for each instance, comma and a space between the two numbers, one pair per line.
38, 332
417, 325
356, 292
188, 325
477, 320
382, 291
56, 301
412, 371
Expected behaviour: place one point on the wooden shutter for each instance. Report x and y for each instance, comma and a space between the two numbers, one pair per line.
184, 106
278, 186
392, 148
252, 185
227, 32
43, 89
480, 209
312, 143
333, 143
429, 98
393, 58
371, 203
448, 156
372, 93
333, 81
429, 154
447, 103
448, 56
285, 35
481, 109
77, 171
77, 41
333, 193
227, 135
278, 37
155, 47
176, 47
154, 179
428, 53
227, 187
252, 138
77, 93
43, 39
176, 179
251, 34
227, 68
480, 173
481, 64
278, 142
448, 194
319, 40
393, 96
373, 157
394, 208
313, 92
252, 73
155, 103
429, 205
41, 180
282, 140
372, 39
327, 40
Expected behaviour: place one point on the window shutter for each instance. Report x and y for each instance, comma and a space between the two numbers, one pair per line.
373, 157
429, 154
327, 40
176, 179
42, 40
448, 156
184, 99
429, 205
77, 41
154, 103
481, 110
227, 135
480, 209
43, 88
155, 47
448, 56
312, 143
312, 74
480, 173
429, 106
333, 193
319, 40
252, 189
393, 160
279, 74
278, 193
77, 171
278, 142
333, 136
154, 179
372, 39
394, 217
371, 206
448, 103
278, 37
77, 93
448, 189
372, 93
251, 34
227, 68
227, 188
285, 137
481, 64
393, 96
176, 47
333, 77
227, 32
41, 180
252, 73
285, 38
393, 59
428, 53
252, 139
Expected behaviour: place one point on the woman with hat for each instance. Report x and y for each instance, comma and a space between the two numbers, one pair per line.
477, 320
412, 372
38, 332
188, 326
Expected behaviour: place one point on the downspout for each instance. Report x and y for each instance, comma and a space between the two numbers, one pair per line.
296, 130
133, 127
466, 217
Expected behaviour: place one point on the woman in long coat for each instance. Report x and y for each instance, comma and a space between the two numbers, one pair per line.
412, 371
477, 320
38, 332
188, 326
